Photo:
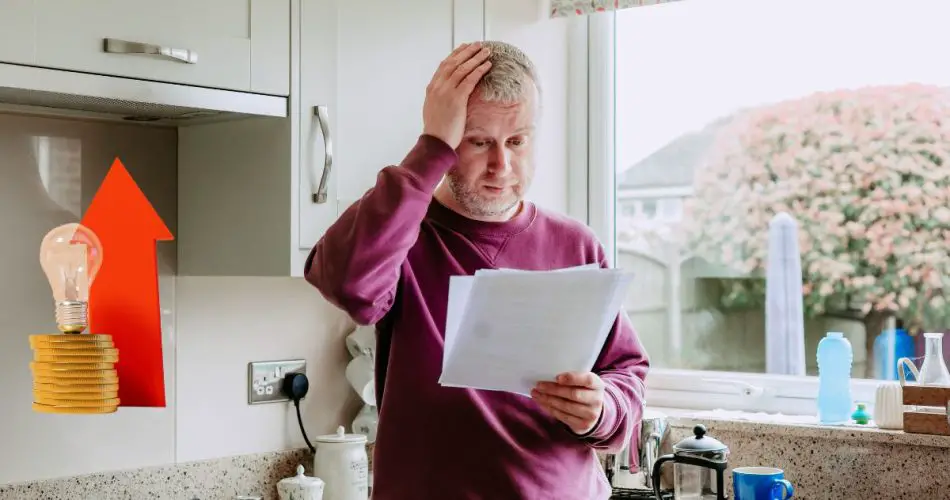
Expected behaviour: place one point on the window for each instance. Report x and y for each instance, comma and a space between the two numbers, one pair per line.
706, 119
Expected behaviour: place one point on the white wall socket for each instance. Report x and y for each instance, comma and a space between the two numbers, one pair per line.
264, 379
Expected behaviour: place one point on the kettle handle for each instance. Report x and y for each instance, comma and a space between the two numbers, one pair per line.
658, 471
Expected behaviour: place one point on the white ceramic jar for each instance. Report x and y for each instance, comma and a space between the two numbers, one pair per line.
300, 487
889, 405
342, 463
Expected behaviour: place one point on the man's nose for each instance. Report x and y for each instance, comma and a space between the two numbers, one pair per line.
501, 160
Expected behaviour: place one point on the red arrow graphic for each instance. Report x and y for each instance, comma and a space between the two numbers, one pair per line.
123, 299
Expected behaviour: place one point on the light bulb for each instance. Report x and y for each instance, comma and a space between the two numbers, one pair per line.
71, 255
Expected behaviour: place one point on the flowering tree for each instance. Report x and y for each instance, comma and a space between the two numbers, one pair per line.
865, 172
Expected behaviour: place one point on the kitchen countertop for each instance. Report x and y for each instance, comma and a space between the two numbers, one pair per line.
805, 427
221, 478
827, 462
877, 464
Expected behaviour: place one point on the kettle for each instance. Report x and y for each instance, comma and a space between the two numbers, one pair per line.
699, 463
621, 468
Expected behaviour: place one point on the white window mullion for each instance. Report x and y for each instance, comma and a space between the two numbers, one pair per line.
578, 174
601, 175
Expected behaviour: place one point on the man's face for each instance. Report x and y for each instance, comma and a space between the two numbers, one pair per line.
496, 157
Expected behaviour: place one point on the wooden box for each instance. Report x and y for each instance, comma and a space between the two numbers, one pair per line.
926, 409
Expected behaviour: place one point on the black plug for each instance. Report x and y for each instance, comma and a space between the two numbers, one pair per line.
295, 387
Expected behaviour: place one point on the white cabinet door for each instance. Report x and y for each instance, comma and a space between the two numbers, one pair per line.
385, 62
212, 43
241, 183
318, 167
385, 55
17, 41
270, 46
366, 65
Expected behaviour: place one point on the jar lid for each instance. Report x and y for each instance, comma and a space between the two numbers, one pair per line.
341, 437
301, 480
699, 443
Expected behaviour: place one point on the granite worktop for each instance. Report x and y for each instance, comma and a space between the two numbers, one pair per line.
828, 462
823, 462
219, 479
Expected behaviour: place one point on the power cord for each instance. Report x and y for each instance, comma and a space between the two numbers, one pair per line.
295, 386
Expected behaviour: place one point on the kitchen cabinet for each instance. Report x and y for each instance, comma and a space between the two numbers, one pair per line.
16, 31
386, 53
250, 198
211, 43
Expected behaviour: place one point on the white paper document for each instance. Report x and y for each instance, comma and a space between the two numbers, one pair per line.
506, 329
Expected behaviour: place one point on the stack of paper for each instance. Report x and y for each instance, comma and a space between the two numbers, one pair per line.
506, 329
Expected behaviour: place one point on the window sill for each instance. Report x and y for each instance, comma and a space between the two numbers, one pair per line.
764, 424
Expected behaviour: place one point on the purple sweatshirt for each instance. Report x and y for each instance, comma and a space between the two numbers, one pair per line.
387, 261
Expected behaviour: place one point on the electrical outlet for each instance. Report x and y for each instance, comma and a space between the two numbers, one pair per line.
264, 379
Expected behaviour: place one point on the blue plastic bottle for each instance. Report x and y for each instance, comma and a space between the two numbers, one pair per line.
889, 346
834, 379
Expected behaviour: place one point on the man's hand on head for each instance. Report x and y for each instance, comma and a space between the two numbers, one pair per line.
574, 398
446, 103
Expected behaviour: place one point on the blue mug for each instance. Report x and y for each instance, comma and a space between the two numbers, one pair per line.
760, 483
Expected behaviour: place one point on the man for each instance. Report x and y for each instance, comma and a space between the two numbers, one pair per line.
453, 206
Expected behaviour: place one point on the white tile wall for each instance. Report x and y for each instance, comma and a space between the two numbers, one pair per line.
226, 322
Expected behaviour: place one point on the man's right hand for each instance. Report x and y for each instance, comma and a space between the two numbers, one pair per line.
446, 103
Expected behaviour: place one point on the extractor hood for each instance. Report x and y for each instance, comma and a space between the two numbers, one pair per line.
60, 92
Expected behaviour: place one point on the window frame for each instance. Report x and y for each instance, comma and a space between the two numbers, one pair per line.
592, 199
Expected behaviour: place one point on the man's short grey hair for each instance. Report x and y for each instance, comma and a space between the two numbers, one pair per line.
511, 76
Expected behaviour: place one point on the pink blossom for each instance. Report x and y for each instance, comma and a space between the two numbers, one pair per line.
866, 172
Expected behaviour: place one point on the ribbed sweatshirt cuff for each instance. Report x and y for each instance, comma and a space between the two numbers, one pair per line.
429, 160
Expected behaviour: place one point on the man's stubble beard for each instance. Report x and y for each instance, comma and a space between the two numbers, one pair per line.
477, 205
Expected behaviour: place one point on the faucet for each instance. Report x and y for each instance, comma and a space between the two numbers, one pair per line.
621, 472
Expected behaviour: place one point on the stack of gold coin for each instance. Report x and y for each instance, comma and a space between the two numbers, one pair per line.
74, 373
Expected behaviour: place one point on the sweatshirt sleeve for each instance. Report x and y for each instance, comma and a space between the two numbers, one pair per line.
356, 264
623, 366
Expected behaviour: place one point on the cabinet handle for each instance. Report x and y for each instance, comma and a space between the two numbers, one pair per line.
114, 46
319, 192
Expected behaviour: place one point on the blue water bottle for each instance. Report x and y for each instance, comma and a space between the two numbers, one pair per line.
834, 379
890, 346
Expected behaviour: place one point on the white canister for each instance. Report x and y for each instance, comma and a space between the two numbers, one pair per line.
300, 487
889, 405
342, 463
